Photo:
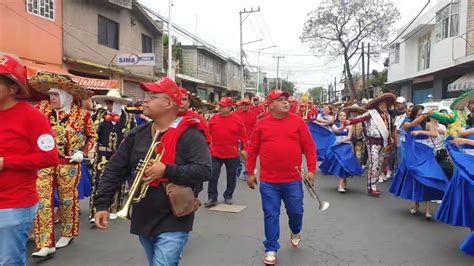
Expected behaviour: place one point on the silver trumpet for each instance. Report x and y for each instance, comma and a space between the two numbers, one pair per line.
323, 205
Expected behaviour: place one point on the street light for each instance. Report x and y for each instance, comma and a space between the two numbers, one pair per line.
258, 64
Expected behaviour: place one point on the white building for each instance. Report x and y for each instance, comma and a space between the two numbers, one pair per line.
435, 55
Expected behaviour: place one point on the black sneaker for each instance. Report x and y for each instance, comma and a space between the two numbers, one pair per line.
210, 203
228, 201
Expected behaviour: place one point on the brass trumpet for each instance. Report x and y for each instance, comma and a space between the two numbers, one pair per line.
323, 205
138, 189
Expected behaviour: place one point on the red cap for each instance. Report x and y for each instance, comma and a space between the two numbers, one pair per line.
164, 85
238, 103
275, 94
246, 101
12, 69
184, 92
226, 102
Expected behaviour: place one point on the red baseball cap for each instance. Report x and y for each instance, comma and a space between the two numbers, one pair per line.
15, 71
164, 85
246, 101
238, 103
184, 92
226, 102
275, 94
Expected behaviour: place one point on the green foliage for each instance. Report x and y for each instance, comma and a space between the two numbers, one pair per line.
316, 93
285, 86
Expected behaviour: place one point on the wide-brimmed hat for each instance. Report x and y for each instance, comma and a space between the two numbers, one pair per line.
462, 100
15, 71
388, 98
353, 109
43, 81
114, 96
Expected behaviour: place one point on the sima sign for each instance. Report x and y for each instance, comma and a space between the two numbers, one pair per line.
145, 59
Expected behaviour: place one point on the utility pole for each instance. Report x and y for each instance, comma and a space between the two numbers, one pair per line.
278, 68
345, 79
363, 71
242, 87
170, 43
335, 90
368, 63
258, 66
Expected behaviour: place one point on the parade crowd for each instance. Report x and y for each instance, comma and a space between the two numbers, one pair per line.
71, 146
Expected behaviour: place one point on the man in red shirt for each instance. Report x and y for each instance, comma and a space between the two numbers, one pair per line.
279, 140
26, 145
227, 132
250, 119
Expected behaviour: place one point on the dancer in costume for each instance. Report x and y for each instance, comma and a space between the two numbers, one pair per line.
75, 136
419, 177
340, 159
321, 132
358, 134
379, 136
112, 123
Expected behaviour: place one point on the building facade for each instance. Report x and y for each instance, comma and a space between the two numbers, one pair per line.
435, 55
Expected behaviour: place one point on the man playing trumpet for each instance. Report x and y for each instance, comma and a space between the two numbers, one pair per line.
280, 139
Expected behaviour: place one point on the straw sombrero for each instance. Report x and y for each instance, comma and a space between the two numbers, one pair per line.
462, 100
112, 95
388, 98
353, 109
43, 81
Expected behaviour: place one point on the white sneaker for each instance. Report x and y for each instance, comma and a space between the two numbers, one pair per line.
270, 258
380, 179
44, 252
92, 221
63, 242
341, 190
389, 174
295, 240
113, 216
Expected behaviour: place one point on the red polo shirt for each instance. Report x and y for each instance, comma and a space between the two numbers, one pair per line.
249, 118
226, 133
279, 143
27, 145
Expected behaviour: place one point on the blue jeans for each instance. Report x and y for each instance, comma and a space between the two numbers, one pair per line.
165, 249
15, 225
242, 169
231, 169
272, 194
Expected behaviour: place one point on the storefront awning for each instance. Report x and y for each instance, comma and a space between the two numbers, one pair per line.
189, 78
90, 83
464, 83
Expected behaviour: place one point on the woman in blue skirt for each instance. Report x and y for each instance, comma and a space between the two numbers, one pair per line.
340, 159
419, 177
321, 131
457, 208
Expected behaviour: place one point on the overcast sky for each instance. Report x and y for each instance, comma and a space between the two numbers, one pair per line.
279, 22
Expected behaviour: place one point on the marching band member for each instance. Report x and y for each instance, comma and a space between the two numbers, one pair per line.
419, 177
185, 110
279, 140
186, 161
379, 136
340, 160
227, 132
112, 124
250, 119
26, 145
75, 136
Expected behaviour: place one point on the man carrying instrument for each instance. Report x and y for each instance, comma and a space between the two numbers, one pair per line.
280, 139
185, 161
112, 125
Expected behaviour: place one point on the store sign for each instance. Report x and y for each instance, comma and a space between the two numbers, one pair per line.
96, 84
145, 59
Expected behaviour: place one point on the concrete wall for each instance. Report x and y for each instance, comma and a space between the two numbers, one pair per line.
81, 21
232, 81
190, 62
29, 36
470, 28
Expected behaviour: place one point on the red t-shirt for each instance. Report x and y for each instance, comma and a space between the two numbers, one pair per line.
249, 118
279, 144
226, 132
27, 145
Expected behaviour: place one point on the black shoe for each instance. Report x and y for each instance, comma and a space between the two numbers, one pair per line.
228, 201
210, 203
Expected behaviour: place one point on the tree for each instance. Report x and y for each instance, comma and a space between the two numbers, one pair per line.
316, 93
177, 53
338, 27
285, 86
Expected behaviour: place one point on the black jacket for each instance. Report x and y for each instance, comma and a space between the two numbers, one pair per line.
152, 215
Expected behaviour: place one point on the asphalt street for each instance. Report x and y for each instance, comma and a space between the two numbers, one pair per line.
355, 230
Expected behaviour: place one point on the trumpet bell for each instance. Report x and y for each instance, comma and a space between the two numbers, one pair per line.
324, 206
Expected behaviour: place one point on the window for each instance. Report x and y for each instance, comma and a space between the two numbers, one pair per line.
395, 54
447, 21
424, 49
147, 44
42, 8
108, 33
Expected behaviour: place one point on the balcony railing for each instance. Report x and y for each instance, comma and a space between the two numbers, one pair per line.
464, 41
